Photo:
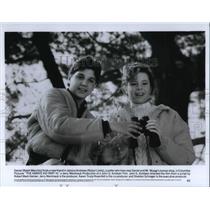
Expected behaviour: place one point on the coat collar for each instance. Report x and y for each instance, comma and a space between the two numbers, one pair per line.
153, 113
80, 109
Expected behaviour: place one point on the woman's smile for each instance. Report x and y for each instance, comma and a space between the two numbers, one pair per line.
139, 90
139, 94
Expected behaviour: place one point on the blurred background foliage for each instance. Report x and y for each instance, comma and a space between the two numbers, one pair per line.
37, 61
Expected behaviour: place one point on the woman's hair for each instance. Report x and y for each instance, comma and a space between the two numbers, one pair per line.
86, 62
130, 71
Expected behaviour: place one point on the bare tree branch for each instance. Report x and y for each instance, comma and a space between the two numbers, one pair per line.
41, 40
19, 117
26, 82
107, 99
111, 48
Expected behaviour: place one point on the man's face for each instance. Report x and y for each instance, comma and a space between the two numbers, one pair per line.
82, 83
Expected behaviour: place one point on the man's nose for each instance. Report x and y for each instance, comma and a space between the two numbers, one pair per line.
84, 82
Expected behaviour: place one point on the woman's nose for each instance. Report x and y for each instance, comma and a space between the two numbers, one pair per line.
139, 87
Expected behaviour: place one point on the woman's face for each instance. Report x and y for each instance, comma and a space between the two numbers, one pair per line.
139, 89
82, 83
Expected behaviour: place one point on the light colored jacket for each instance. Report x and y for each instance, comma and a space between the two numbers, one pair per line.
55, 125
176, 146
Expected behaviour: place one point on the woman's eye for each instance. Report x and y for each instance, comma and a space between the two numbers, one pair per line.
145, 83
133, 83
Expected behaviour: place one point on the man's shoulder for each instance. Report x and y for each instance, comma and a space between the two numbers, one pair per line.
54, 91
57, 93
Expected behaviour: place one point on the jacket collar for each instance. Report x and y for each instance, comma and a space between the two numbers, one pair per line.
80, 109
155, 110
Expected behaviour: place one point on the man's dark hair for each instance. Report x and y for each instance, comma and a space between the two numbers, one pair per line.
87, 62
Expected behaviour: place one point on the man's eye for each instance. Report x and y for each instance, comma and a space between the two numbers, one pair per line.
80, 76
145, 83
92, 81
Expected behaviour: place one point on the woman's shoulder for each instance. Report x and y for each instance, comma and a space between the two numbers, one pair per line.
164, 115
170, 118
164, 111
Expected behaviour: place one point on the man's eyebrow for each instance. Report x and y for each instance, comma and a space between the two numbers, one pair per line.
92, 78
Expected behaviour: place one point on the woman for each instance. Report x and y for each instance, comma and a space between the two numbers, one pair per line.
61, 126
164, 137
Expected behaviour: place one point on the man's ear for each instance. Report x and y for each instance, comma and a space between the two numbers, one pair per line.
95, 86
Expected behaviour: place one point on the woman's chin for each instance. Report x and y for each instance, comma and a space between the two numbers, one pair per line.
139, 101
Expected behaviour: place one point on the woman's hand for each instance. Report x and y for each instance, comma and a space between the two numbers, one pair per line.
153, 126
127, 128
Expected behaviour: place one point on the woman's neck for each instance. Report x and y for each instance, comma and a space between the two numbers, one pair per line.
140, 110
143, 105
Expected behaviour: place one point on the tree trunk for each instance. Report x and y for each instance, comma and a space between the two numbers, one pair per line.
41, 41
172, 72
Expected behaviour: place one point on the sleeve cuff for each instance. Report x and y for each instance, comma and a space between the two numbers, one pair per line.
106, 128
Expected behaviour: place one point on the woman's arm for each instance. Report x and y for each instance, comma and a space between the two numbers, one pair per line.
176, 148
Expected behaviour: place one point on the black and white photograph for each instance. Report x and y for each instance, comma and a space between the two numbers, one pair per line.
106, 98
104, 104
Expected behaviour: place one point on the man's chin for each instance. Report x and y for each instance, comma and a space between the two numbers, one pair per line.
81, 96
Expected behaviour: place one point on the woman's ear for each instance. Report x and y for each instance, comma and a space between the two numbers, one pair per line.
96, 84
124, 89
